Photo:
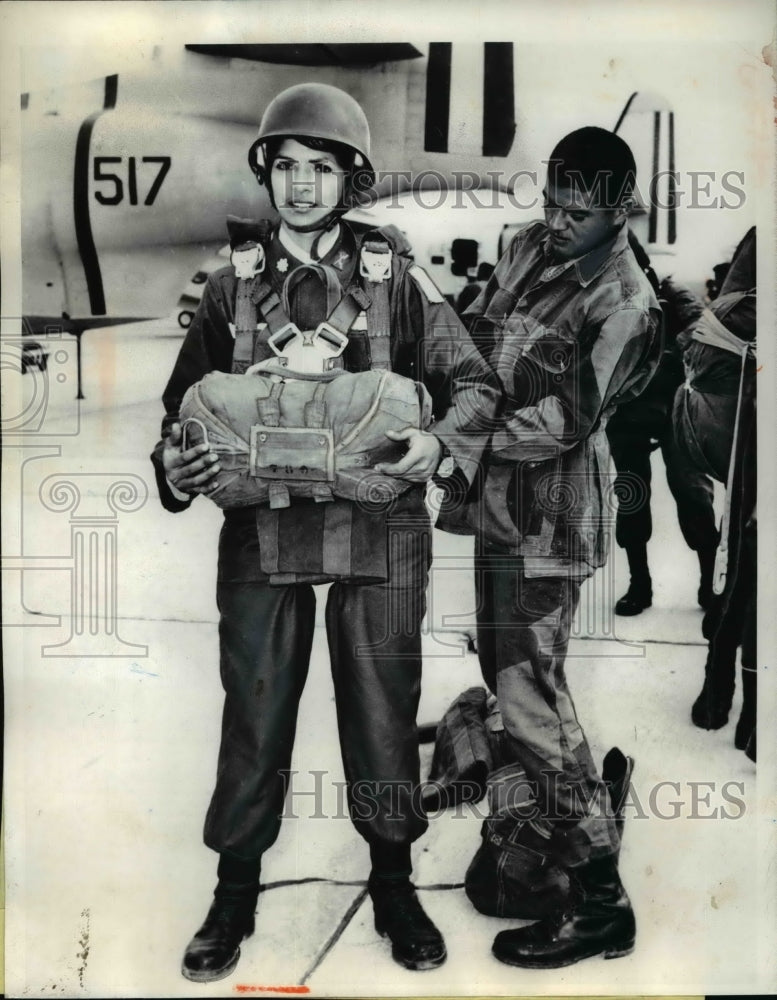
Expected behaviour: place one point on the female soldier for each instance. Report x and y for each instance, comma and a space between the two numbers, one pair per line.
312, 152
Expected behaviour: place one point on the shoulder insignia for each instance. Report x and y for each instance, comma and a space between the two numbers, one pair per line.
425, 283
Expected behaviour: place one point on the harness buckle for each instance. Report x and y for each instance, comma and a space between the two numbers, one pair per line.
375, 263
312, 351
281, 338
333, 341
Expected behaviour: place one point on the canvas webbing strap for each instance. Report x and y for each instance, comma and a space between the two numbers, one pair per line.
269, 407
326, 274
379, 313
254, 295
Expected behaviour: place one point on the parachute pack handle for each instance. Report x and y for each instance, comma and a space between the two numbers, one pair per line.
185, 443
275, 366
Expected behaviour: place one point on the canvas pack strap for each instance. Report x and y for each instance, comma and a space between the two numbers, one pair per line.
253, 296
376, 270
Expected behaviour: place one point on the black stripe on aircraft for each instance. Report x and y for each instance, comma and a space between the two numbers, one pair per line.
498, 99
653, 218
25, 101
111, 91
672, 197
83, 223
438, 97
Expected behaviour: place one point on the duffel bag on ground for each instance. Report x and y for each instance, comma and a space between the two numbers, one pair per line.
303, 435
515, 872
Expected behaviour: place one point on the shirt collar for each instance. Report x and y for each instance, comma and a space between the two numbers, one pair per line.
325, 244
589, 265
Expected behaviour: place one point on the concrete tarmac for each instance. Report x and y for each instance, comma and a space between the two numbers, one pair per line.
113, 705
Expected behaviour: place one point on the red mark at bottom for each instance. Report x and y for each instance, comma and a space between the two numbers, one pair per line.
241, 988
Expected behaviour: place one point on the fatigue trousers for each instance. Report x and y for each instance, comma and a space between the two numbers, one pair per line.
692, 491
266, 635
523, 635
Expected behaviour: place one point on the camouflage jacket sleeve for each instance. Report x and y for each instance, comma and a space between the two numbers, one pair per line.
465, 392
559, 392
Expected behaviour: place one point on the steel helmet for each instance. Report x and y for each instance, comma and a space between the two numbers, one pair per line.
316, 111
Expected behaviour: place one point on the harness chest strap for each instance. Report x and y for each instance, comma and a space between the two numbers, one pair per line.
254, 294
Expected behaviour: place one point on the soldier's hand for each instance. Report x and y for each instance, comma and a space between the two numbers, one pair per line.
420, 461
190, 471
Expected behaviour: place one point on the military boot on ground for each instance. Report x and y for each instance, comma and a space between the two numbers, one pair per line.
640, 593
214, 950
713, 703
597, 920
638, 597
415, 941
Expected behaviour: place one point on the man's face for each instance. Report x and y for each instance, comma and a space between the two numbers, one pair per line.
576, 226
307, 183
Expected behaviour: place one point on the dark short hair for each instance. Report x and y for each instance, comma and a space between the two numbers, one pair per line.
594, 162
342, 153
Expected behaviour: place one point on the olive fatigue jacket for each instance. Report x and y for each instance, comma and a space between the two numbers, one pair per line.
569, 341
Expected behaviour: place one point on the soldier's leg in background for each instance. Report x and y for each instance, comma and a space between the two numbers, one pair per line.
711, 708
693, 495
630, 446
374, 633
745, 737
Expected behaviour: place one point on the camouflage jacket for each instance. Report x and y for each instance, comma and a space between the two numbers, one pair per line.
569, 341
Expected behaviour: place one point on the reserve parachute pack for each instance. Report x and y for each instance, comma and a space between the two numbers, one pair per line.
289, 421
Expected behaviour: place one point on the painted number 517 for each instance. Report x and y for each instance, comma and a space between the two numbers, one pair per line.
113, 194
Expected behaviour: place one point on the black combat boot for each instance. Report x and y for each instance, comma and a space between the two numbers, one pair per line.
640, 593
597, 920
713, 703
415, 941
214, 950
638, 597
